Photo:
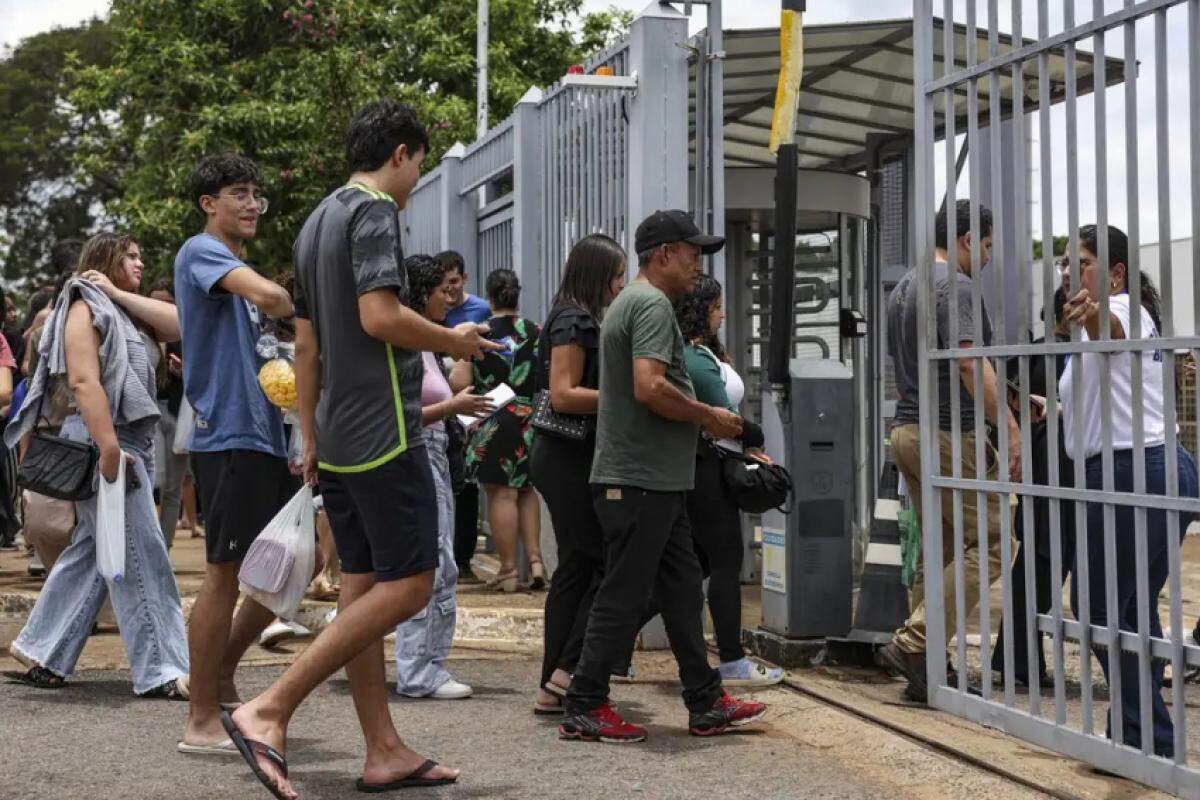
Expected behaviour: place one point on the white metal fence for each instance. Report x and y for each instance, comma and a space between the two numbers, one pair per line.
1121, 556
560, 167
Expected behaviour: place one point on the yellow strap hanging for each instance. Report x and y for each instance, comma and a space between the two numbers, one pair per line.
791, 68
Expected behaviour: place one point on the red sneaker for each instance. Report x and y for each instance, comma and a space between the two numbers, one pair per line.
602, 724
728, 712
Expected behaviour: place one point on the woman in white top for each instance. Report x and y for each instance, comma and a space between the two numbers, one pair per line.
1083, 310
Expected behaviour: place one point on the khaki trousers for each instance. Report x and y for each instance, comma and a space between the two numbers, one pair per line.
906, 450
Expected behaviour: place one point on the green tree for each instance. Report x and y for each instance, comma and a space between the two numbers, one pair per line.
279, 81
42, 198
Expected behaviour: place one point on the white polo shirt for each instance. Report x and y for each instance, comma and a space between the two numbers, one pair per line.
1122, 391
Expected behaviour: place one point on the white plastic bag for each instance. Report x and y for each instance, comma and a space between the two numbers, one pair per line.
110, 526
279, 565
185, 421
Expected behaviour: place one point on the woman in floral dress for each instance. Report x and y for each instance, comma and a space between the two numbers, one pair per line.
498, 454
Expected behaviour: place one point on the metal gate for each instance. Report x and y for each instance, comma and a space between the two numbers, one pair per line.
955, 85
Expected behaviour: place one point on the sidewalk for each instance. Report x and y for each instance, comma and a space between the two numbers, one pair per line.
822, 716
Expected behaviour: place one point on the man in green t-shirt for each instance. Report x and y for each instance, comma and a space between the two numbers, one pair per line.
644, 463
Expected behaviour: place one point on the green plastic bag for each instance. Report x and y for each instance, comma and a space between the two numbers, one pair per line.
910, 544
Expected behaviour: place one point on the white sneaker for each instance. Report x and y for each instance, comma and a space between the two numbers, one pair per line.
280, 631
452, 690
745, 672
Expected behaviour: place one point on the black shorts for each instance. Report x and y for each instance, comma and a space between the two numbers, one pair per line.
240, 492
385, 520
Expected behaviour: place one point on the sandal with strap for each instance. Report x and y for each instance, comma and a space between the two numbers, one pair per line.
37, 677
504, 582
537, 572
412, 780
250, 749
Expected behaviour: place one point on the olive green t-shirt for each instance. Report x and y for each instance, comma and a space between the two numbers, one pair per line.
635, 446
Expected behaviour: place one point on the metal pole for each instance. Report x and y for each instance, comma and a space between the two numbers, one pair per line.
481, 58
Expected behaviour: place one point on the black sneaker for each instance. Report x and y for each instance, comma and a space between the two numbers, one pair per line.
910, 666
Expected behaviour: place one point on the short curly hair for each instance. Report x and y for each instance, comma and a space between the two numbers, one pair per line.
425, 274
691, 312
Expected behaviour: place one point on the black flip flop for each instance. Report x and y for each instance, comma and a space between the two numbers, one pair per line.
412, 780
37, 677
249, 749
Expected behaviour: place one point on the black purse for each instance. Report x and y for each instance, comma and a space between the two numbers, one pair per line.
58, 467
544, 418
755, 486
547, 420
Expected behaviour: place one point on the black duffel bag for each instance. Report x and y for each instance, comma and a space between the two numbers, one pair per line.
756, 486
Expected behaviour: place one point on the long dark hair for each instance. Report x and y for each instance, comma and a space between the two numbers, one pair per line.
1118, 253
593, 264
691, 311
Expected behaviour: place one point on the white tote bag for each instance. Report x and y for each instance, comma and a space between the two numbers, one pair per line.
185, 422
279, 565
110, 526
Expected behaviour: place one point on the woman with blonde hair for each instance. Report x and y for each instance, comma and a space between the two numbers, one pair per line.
92, 343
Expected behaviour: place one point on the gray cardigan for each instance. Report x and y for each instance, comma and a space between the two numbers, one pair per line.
125, 373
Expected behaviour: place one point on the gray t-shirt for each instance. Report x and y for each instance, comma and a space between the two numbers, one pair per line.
369, 410
635, 446
902, 322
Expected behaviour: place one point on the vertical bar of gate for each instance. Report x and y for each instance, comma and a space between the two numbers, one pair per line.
980, 431
602, 119
1112, 614
1164, 247
999, 231
1024, 258
1083, 612
931, 522
595, 131
1050, 280
1134, 276
954, 378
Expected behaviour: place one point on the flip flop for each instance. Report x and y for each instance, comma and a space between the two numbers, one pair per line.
554, 689
412, 780
225, 748
248, 749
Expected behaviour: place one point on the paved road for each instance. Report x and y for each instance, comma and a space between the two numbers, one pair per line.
94, 740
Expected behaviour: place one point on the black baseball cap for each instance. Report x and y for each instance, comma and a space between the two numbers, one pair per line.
673, 225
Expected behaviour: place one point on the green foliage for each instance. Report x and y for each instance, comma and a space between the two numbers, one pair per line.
279, 81
42, 198
1060, 247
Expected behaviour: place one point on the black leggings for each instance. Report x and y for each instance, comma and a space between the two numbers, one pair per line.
560, 470
717, 535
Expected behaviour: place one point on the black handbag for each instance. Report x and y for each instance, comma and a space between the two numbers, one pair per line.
544, 418
547, 420
58, 467
755, 485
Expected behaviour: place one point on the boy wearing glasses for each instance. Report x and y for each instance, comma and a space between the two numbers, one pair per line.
238, 443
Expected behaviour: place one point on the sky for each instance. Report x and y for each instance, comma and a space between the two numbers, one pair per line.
20, 18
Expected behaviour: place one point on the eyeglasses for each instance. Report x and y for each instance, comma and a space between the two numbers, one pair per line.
246, 198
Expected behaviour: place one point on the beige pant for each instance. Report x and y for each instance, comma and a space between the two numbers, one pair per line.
906, 450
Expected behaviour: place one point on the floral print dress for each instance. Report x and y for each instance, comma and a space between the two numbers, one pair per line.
498, 454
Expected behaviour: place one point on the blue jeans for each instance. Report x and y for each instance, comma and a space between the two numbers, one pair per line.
1158, 567
423, 641
146, 602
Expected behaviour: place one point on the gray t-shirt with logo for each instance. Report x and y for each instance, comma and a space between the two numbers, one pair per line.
902, 322
635, 446
369, 409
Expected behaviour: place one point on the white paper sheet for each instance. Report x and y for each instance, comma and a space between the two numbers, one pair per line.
500, 397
